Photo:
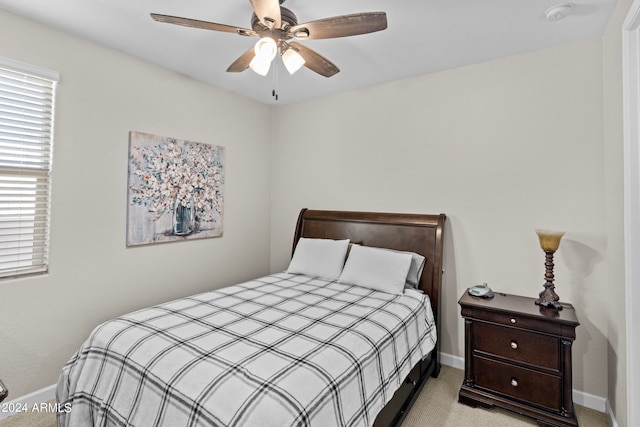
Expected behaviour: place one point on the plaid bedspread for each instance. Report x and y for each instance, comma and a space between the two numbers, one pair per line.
282, 350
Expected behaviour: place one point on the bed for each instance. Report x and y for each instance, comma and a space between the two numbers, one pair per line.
287, 349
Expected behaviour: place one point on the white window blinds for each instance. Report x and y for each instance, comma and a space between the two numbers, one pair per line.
26, 132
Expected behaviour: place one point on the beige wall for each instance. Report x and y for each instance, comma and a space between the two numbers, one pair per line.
614, 215
501, 147
102, 95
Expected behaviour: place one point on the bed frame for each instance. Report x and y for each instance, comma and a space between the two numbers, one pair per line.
406, 232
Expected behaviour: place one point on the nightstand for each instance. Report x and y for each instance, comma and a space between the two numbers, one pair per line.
518, 357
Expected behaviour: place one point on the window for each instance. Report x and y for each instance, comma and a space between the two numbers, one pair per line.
26, 132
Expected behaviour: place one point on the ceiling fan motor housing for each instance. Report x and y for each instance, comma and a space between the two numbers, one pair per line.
288, 18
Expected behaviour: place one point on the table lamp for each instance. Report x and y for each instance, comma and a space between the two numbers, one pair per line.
549, 242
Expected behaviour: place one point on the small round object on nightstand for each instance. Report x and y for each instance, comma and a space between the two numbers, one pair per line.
3, 391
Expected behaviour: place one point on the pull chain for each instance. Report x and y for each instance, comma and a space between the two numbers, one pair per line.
274, 91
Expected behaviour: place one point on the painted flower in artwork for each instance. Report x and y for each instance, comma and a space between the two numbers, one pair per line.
176, 178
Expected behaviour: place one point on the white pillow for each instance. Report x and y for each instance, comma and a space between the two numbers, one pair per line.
415, 271
376, 268
322, 258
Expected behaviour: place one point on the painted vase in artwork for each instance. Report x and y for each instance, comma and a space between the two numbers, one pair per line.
183, 216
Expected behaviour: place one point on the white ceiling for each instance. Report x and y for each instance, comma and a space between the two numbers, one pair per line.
423, 36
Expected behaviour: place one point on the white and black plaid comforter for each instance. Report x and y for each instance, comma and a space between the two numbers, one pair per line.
283, 350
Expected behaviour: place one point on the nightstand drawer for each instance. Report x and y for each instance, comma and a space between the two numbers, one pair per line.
518, 345
530, 386
524, 315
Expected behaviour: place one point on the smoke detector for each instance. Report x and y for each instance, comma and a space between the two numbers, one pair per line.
558, 12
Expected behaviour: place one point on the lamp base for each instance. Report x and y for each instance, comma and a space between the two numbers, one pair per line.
548, 298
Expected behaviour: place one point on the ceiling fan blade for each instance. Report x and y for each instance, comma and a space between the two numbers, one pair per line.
314, 61
242, 63
187, 22
340, 26
268, 11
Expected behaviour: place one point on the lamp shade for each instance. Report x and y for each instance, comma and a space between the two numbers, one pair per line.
549, 240
292, 60
265, 49
260, 65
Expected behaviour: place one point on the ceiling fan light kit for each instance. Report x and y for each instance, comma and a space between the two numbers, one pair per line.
277, 26
266, 49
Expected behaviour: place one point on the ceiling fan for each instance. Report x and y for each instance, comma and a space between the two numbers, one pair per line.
278, 30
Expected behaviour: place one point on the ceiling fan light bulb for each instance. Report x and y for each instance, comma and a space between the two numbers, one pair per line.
260, 65
292, 60
266, 48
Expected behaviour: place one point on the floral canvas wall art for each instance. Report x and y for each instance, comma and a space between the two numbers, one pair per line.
175, 189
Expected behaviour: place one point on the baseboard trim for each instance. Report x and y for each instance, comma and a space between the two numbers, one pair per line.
610, 415
28, 401
453, 361
581, 398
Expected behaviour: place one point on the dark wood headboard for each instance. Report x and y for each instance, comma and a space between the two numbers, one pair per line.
405, 232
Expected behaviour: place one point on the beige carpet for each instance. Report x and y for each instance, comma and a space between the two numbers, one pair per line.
437, 406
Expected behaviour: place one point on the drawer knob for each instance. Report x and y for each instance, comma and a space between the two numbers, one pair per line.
514, 345
513, 320
514, 382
